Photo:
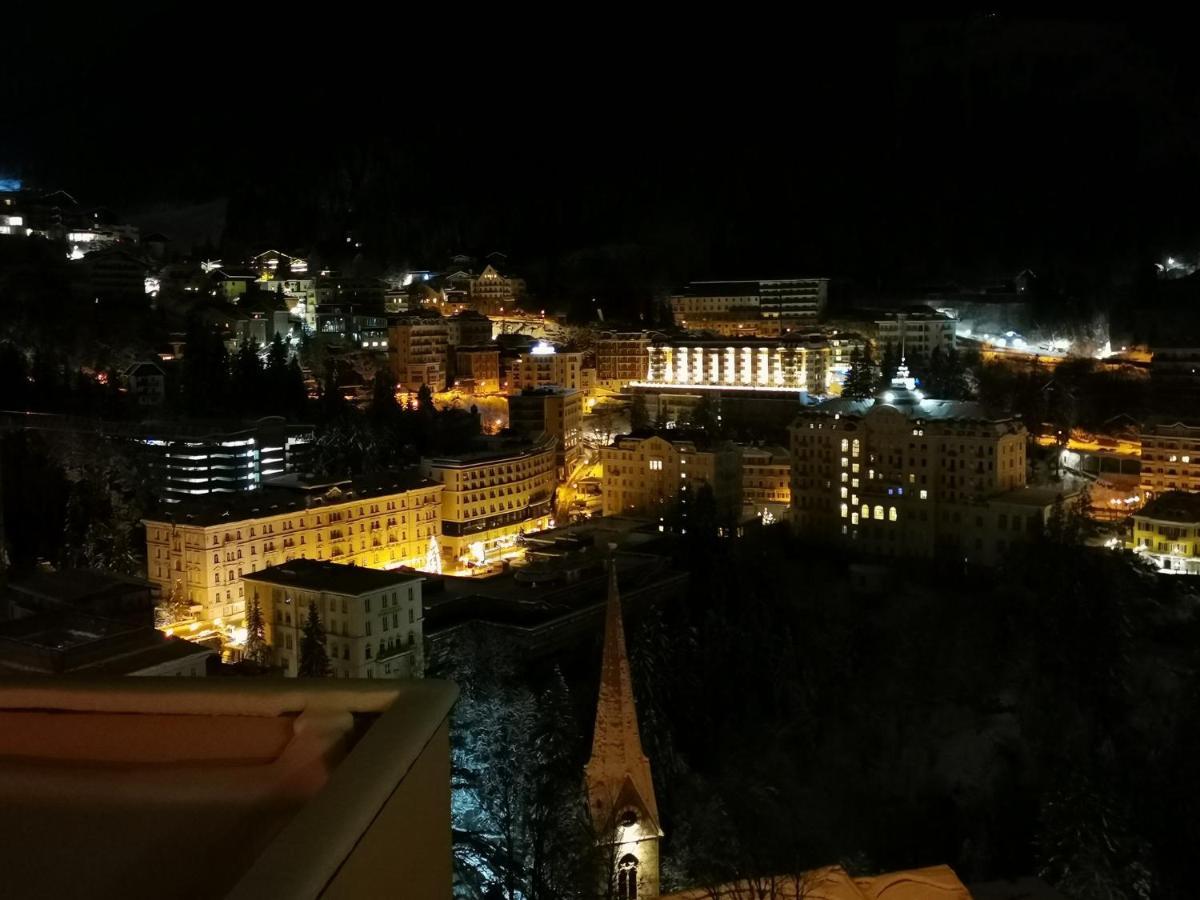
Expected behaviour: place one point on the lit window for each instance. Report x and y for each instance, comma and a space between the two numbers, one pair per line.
866, 511
846, 475
854, 519
891, 514
924, 495
845, 445
845, 510
855, 447
656, 465
879, 513
853, 482
845, 462
1185, 459
845, 493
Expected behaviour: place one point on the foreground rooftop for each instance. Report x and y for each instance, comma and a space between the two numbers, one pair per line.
199, 788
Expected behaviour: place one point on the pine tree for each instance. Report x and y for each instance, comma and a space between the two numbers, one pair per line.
860, 380
256, 634
175, 608
295, 391
314, 659
383, 397
248, 376
887, 370
639, 417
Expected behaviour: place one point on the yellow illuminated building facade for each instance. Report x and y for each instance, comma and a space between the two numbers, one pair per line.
903, 475
621, 358
555, 411
545, 367
784, 364
493, 496
649, 475
1167, 530
417, 347
205, 546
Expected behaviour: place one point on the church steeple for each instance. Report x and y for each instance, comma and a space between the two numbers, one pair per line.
620, 789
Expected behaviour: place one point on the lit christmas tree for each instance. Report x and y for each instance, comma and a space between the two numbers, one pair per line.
433, 557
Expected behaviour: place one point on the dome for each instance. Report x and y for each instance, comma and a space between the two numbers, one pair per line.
901, 391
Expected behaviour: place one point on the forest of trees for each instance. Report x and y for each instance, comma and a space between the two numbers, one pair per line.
1040, 721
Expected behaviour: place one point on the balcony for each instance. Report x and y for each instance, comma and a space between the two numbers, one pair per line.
225, 788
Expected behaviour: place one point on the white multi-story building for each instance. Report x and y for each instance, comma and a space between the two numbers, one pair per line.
797, 299
916, 334
801, 364
372, 619
543, 366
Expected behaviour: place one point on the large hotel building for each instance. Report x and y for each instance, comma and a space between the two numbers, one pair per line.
905, 475
207, 544
797, 364
492, 496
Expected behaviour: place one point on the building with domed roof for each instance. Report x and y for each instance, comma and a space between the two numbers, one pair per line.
904, 474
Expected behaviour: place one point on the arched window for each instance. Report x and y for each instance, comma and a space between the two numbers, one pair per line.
627, 868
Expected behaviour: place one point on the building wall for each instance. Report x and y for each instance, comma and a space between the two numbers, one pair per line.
793, 298
409, 842
417, 351
917, 336
480, 366
492, 500
536, 370
1173, 544
780, 366
621, 358
1170, 458
380, 532
647, 475
557, 414
766, 477
377, 634
686, 306
887, 482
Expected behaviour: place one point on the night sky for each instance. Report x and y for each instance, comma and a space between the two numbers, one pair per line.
889, 153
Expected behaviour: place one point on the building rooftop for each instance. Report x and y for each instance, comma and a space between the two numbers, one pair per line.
1173, 506
68, 642
285, 494
549, 390
924, 409
331, 577
1039, 496
719, 289
792, 339
564, 582
68, 586
496, 448
766, 452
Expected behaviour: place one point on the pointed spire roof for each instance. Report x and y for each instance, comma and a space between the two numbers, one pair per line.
618, 773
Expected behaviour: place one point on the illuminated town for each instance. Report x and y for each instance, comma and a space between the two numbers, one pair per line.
505, 497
